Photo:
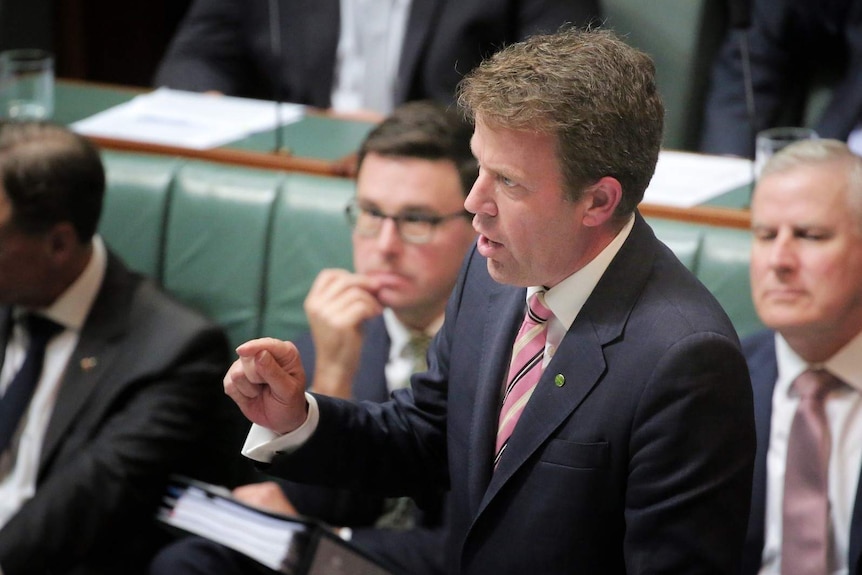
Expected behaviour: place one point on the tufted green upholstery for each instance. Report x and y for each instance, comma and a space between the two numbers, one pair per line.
719, 258
243, 246
134, 211
310, 232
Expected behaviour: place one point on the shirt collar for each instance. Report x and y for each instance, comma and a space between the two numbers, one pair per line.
72, 307
567, 298
846, 365
399, 334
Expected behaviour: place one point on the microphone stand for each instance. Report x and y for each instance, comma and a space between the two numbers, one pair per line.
278, 58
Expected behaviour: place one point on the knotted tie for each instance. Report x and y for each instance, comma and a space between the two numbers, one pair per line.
524, 370
14, 402
805, 545
399, 513
418, 346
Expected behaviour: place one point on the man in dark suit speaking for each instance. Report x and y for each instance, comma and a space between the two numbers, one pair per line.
613, 431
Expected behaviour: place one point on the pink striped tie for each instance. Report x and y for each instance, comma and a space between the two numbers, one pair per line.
525, 369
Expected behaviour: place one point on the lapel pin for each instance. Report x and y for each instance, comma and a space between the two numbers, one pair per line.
88, 363
559, 380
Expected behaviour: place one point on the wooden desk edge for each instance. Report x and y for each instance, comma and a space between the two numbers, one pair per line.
228, 156
709, 215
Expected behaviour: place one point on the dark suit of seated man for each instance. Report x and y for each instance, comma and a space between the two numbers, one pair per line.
806, 281
327, 47
130, 384
368, 328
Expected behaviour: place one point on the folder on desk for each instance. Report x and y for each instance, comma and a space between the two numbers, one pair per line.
287, 544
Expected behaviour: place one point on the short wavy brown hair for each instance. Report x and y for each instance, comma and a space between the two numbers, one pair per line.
596, 93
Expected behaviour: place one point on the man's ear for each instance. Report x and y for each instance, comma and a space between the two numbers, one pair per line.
602, 198
62, 241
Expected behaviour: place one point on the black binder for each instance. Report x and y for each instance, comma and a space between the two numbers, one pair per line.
286, 544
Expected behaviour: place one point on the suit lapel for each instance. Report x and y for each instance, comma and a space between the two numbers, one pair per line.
91, 361
763, 368
580, 357
505, 312
5, 331
370, 382
420, 22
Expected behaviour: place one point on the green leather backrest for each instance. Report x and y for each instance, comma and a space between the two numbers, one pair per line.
134, 211
310, 233
682, 238
217, 243
723, 267
243, 246
682, 36
719, 257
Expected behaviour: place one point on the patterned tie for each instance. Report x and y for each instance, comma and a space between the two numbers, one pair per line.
418, 346
399, 513
805, 545
524, 370
14, 402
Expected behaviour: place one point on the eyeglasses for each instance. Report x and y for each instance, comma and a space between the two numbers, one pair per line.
415, 228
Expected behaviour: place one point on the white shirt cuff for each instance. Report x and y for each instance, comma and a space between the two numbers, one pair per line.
263, 444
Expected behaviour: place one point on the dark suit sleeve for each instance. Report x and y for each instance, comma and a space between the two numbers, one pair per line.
208, 51
688, 488
154, 411
412, 552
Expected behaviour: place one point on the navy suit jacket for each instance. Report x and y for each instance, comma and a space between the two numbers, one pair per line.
789, 41
140, 395
633, 455
759, 352
418, 550
225, 45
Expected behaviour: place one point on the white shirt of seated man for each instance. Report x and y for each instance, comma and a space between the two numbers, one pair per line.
368, 54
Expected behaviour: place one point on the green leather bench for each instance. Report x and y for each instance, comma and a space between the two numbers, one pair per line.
244, 245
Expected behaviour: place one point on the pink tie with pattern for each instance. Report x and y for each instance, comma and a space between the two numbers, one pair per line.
805, 544
524, 370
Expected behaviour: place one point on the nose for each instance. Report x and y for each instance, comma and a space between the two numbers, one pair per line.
389, 239
480, 198
782, 255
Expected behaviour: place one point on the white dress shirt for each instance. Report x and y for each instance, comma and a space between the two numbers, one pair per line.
844, 413
368, 54
565, 299
19, 464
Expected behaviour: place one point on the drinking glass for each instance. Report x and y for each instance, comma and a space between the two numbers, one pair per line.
26, 84
770, 141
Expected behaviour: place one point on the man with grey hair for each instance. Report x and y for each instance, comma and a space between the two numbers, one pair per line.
806, 370
613, 431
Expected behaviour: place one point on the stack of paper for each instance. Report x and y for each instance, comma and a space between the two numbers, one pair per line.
684, 179
188, 119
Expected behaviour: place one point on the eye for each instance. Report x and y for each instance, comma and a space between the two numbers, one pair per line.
373, 212
763, 234
418, 218
812, 234
507, 182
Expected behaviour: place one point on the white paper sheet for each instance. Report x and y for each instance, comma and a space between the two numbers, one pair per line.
187, 119
684, 179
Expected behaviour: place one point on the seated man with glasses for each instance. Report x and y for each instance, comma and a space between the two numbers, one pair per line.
370, 328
